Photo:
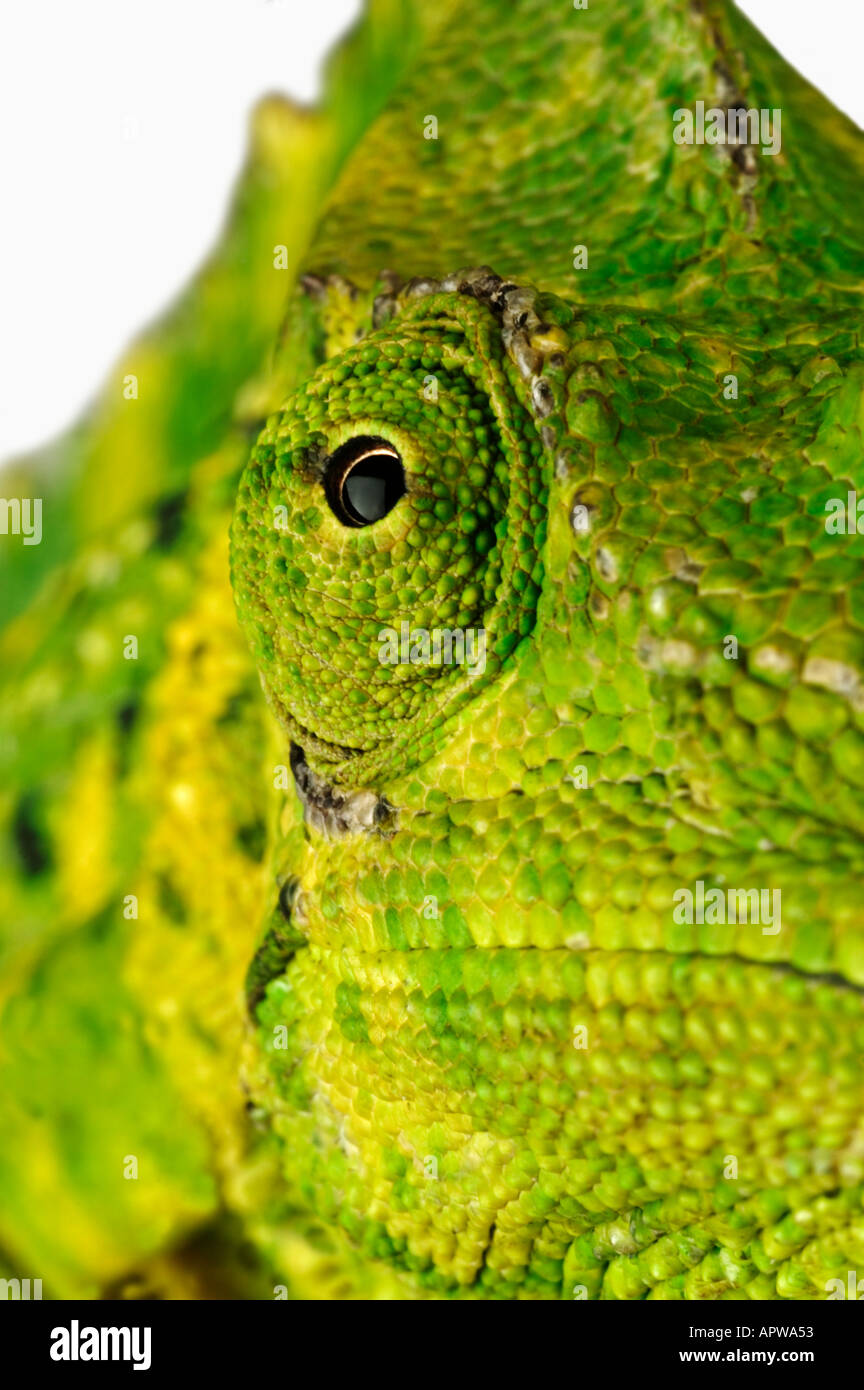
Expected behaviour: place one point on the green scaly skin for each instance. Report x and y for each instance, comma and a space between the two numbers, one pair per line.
418, 1020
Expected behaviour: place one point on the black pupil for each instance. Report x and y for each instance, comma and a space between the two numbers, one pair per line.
364, 481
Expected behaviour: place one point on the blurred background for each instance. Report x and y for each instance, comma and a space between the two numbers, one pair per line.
122, 129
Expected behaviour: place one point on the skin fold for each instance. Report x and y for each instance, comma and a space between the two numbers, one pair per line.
340, 979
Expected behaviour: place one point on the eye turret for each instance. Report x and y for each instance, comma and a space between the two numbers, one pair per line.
386, 545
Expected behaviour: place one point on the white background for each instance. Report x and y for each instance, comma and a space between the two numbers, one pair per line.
110, 109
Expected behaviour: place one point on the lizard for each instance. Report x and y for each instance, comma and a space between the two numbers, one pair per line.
337, 965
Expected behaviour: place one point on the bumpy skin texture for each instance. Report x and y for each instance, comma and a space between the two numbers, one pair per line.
464, 876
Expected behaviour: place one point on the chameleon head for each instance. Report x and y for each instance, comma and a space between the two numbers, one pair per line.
521, 1045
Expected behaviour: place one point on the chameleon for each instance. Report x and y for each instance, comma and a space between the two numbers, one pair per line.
462, 577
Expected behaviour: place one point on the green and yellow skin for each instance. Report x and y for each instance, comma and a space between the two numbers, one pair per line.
405, 1010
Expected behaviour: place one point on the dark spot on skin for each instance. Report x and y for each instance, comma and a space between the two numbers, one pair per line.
383, 309
134, 1288
337, 813
276, 948
252, 839
30, 836
544, 400
170, 901
168, 516
216, 1263
287, 897
318, 287
236, 707
433, 151
314, 286
599, 605
103, 925
126, 715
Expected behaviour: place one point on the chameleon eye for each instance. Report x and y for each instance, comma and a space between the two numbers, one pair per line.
368, 513
364, 481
